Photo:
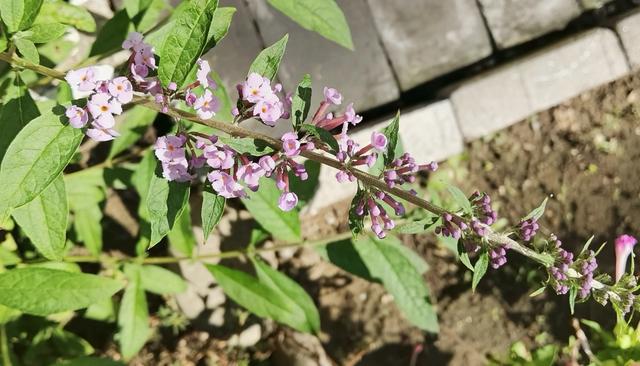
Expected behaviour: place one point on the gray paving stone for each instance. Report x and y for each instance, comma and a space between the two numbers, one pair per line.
498, 99
429, 133
428, 38
515, 21
363, 76
232, 57
629, 31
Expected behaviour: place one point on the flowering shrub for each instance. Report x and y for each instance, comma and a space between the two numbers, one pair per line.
210, 151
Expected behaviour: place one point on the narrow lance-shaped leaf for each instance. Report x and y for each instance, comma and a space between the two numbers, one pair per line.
35, 158
219, 26
186, 40
321, 16
401, 279
44, 220
301, 102
165, 202
263, 205
480, 269
300, 301
537, 213
268, 61
460, 198
46, 32
87, 224
322, 135
44, 291
256, 296
27, 50
133, 317
391, 132
19, 14
161, 280
16, 112
212, 210
356, 223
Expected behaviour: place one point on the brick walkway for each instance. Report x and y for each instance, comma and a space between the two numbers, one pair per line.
457, 69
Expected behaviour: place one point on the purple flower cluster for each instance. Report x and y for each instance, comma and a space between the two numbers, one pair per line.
404, 169
259, 100
559, 271
586, 268
528, 229
498, 256
105, 100
452, 226
206, 105
350, 154
228, 171
482, 210
380, 220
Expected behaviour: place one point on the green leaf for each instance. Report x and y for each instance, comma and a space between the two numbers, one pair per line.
263, 205
27, 49
219, 26
43, 291
35, 158
301, 102
256, 296
391, 132
460, 199
212, 210
16, 112
462, 254
480, 269
133, 317
294, 294
356, 223
586, 245
401, 279
135, 124
46, 32
44, 220
7, 257
161, 281
247, 145
322, 135
181, 237
165, 202
87, 224
417, 227
186, 40
58, 11
153, 15
268, 61
321, 16
538, 291
112, 34
537, 213
573, 293
19, 14
344, 255
133, 7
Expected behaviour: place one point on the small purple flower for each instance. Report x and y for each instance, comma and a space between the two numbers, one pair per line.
267, 164
202, 75
269, 110
207, 105
176, 171
379, 141
78, 117
121, 89
351, 115
332, 96
290, 144
102, 103
82, 79
250, 173
287, 201
219, 158
528, 229
172, 86
225, 185
498, 257
133, 42
255, 88
170, 148
624, 247
144, 56
102, 134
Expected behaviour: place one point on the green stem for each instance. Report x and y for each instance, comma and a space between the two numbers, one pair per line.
4, 346
234, 130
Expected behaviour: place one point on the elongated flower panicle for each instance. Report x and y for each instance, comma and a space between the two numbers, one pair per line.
559, 271
370, 205
404, 169
351, 155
